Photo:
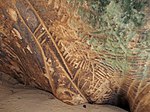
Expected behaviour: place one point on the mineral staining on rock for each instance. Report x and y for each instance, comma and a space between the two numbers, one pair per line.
120, 34
81, 51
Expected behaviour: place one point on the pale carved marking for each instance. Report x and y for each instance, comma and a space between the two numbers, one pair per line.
55, 45
12, 13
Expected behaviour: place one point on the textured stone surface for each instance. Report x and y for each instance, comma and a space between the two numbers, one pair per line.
18, 98
40, 45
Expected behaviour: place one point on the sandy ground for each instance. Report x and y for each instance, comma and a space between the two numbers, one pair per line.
15, 97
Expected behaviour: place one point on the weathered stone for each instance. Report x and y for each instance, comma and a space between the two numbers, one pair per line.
40, 47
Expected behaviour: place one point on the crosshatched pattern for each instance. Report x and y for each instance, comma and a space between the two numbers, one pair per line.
57, 45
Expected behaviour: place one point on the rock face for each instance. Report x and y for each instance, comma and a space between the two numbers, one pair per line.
16, 97
40, 46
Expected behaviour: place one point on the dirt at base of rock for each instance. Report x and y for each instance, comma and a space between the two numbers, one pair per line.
15, 97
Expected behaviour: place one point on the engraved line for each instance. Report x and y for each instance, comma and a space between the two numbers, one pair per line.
38, 28
42, 52
53, 41
56, 48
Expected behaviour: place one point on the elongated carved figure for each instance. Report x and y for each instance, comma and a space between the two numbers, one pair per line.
40, 45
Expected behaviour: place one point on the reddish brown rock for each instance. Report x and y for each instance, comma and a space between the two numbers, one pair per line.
39, 46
